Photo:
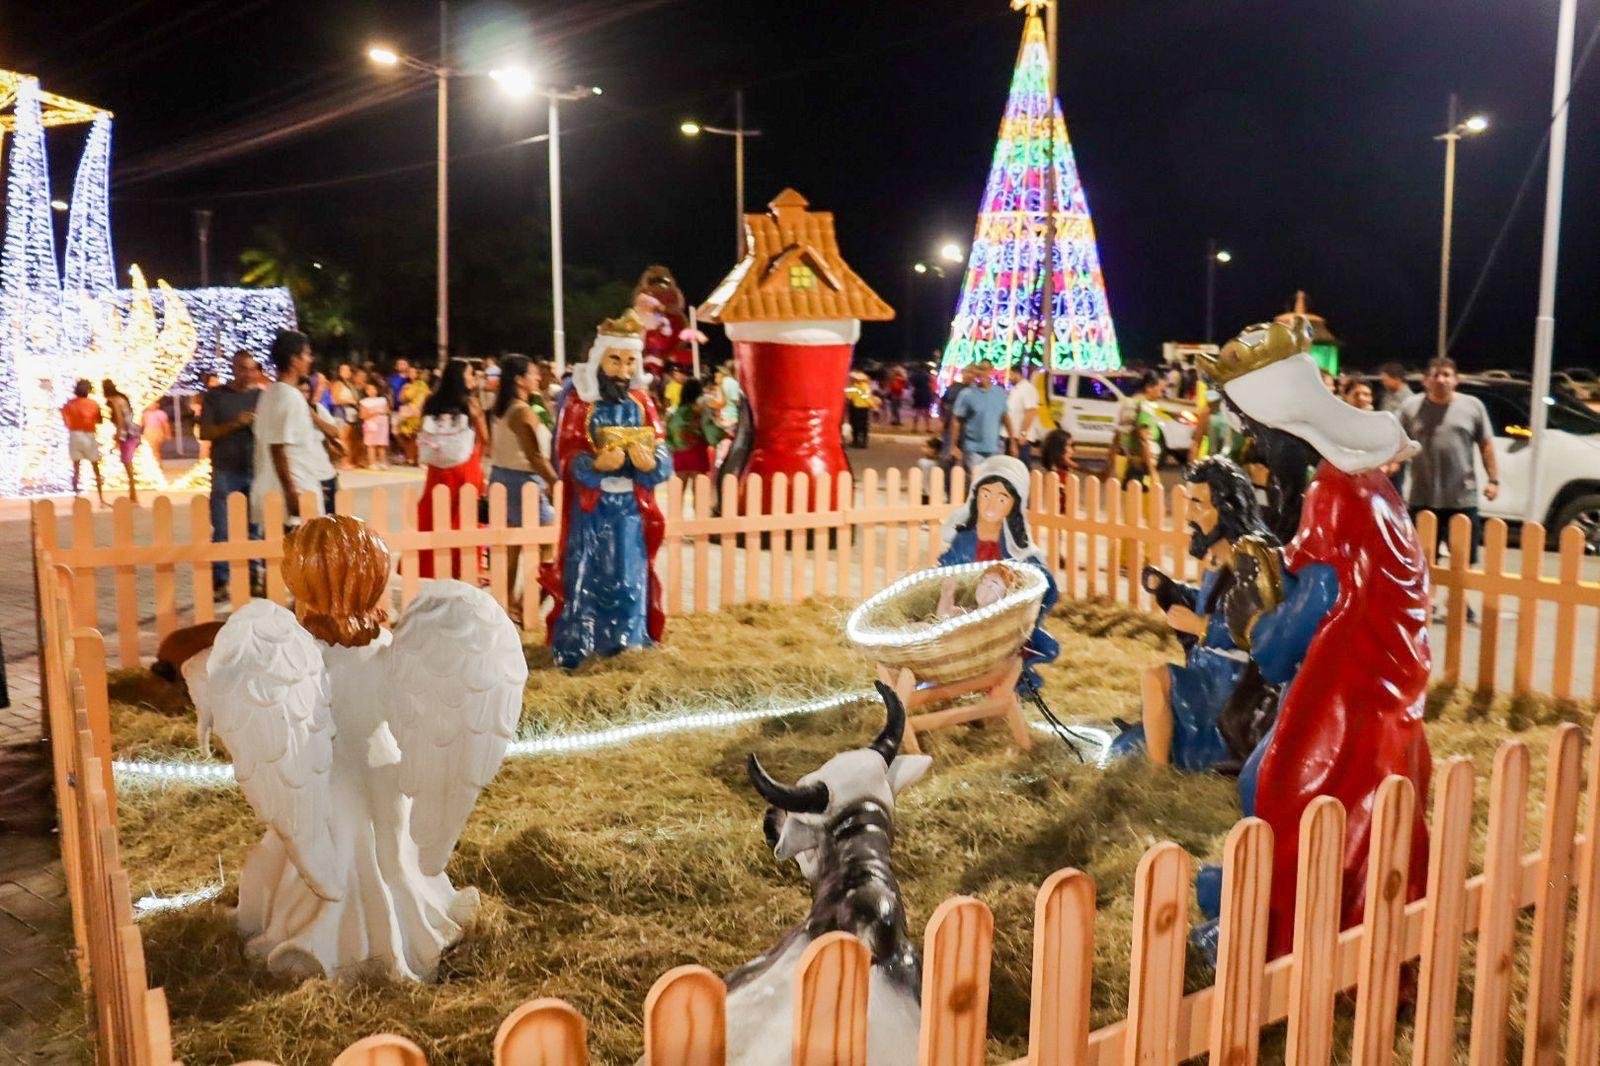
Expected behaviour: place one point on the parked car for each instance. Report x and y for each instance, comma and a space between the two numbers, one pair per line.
1088, 402
1569, 483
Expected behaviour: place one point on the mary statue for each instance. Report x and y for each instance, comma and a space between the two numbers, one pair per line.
993, 525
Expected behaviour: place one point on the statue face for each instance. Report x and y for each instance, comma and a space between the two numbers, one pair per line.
1202, 511
994, 503
619, 363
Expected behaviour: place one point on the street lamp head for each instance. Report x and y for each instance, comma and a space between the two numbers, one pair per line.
951, 252
59, 205
513, 81
384, 57
920, 268
1224, 256
690, 128
595, 90
1476, 124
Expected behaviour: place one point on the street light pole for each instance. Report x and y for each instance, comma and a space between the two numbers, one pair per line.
1544, 331
738, 174
1450, 138
692, 128
558, 337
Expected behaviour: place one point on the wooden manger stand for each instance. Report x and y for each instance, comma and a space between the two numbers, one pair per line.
999, 701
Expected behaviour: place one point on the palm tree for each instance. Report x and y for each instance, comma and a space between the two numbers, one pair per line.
273, 262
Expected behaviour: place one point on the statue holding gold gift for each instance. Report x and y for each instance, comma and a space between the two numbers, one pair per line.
612, 457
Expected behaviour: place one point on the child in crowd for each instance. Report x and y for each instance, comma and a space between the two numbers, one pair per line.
928, 462
1055, 454
374, 407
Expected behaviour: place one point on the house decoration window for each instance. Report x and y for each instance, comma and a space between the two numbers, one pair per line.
801, 277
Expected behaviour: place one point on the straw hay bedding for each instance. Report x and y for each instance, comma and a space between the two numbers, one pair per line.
601, 871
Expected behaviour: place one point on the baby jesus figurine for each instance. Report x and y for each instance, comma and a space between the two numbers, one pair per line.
993, 585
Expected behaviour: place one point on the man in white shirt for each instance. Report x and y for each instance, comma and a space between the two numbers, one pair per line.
1022, 412
289, 454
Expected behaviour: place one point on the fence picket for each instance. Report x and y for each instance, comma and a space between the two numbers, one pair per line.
844, 532
124, 579
1444, 923
273, 519
166, 590
1094, 516
409, 560
778, 541
728, 542
89, 657
542, 1032
1319, 871
830, 1013
1114, 541
955, 984
799, 575
200, 569
1527, 610
819, 539
1155, 972
702, 544
1134, 507
1571, 572
1242, 949
1583, 1023
685, 1018
86, 603
1388, 863
1494, 564
467, 512
1497, 910
869, 534
1063, 970
1459, 533
1070, 522
438, 503
1563, 769
384, 1049
500, 575
752, 540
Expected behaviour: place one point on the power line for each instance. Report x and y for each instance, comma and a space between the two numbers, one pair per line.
1522, 190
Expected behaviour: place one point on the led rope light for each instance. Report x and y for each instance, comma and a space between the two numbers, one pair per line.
154, 904
1000, 316
220, 775
861, 632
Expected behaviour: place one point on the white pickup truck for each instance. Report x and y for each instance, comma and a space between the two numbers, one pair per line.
1087, 403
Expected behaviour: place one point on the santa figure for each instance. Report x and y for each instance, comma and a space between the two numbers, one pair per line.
612, 456
1349, 634
659, 306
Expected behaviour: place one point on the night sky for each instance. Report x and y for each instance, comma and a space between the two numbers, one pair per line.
1299, 135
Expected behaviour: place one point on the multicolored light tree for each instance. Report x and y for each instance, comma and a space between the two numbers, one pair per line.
1000, 317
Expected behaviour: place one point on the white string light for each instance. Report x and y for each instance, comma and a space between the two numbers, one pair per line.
861, 631
150, 904
220, 775
89, 265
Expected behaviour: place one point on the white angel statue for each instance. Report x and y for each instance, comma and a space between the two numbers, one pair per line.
363, 750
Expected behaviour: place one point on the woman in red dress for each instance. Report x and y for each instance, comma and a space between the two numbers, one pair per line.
450, 444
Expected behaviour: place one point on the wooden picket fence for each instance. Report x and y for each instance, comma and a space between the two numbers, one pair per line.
1097, 536
131, 1022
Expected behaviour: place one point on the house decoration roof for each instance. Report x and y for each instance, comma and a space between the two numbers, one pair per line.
792, 271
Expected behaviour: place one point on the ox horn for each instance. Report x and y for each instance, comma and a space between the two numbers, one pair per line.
887, 742
808, 799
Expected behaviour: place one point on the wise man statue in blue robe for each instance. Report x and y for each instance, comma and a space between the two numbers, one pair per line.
612, 455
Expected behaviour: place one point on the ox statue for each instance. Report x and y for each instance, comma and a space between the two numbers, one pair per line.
836, 823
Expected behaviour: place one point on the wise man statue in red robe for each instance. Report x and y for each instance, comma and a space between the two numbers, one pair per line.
612, 456
1349, 638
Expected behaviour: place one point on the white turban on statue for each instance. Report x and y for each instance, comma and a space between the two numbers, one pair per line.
624, 332
1266, 372
1017, 479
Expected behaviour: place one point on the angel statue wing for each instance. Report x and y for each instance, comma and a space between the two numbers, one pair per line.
266, 694
457, 674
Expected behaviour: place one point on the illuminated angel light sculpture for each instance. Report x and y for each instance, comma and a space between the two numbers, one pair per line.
363, 750
60, 324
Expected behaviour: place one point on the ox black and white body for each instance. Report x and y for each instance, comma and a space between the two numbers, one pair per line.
836, 823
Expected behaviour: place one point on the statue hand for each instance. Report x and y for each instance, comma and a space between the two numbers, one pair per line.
644, 459
1186, 621
609, 459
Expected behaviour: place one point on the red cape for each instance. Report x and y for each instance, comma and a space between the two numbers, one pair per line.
1353, 714
572, 439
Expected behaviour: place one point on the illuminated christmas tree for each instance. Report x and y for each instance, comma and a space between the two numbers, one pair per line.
1000, 317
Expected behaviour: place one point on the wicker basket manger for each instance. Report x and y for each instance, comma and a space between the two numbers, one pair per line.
897, 626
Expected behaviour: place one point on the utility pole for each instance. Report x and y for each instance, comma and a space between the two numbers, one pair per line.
1047, 293
443, 299
558, 315
1451, 136
1544, 330
738, 175
202, 233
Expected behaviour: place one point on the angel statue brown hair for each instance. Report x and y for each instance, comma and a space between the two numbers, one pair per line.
338, 569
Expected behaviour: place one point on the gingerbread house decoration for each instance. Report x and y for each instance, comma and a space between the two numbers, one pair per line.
793, 309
